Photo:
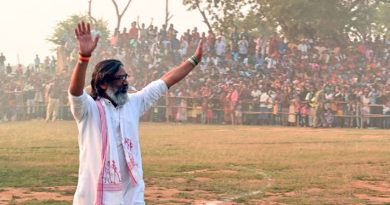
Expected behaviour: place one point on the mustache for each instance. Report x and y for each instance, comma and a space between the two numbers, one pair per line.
118, 95
122, 89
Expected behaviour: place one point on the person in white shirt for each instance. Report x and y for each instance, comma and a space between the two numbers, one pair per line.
243, 46
110, 170
303, 47
256, 92
220, 47
265, 101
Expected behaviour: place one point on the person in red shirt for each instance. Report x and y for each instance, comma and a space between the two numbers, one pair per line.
133, 31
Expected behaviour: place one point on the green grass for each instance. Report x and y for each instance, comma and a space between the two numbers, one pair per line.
46, 202
210, 162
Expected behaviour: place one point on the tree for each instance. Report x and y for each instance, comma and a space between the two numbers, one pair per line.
330, 19
90, 11
196, 5
64, 30
256, 26
168, 16
382, 18
218, 15
304, 18
119, 14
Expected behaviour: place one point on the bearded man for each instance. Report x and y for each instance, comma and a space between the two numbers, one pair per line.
110, 170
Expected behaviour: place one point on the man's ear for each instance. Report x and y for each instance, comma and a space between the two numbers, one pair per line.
104, 86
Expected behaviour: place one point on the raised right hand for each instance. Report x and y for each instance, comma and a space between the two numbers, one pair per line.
86, 44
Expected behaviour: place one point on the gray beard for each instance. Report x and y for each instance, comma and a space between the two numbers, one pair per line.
119, 98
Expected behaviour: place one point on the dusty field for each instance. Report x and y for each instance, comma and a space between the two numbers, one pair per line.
195, 164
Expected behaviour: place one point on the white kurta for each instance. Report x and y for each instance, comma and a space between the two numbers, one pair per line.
127, 117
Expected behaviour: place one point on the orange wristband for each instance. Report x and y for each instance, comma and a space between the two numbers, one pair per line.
83, 58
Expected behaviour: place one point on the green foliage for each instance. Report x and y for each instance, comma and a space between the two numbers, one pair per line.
330, 19
64, 31
224, 14
382, 18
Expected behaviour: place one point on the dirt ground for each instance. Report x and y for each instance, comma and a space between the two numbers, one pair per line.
18, 195
372, 192
381, 191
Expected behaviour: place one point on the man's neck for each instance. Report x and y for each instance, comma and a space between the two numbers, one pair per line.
110, 99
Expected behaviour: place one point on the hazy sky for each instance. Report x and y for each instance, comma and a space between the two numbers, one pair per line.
26, 24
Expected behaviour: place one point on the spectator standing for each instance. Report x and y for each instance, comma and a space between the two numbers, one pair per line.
53, 105
2, 62
37, 63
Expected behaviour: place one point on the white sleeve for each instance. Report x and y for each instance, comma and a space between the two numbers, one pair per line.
150, 94
80, 105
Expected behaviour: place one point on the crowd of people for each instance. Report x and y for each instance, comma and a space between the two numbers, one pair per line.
244, 78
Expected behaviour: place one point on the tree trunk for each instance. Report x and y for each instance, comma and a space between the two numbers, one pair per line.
90, 12
167, 14
205, 19
119, 15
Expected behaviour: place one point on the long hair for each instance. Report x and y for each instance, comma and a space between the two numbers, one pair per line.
104, 72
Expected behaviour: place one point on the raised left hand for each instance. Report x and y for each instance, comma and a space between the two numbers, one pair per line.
199, 50
84, 37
